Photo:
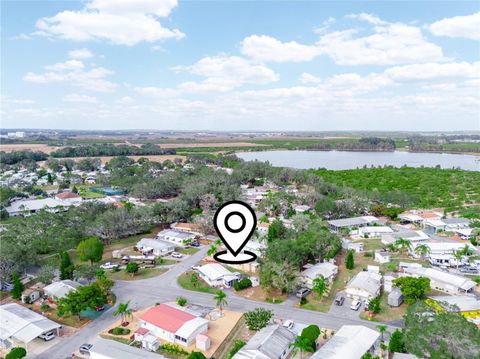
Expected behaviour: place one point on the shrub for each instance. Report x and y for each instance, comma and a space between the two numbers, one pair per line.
120, 331
173, 348
258, 318
374, 305
44, 307
181, 301
349, 260
242, 284
239, 344
16, 353
303, 301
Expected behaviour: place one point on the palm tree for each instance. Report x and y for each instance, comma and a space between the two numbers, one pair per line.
422, 250
403, 244
382, 329
392, 247
320, 285
458, 256
301, 345
220, 300
124, 311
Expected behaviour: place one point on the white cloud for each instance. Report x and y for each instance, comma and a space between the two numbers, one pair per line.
80, 54
307, 78
126, 22
79, 98
70, 65
225, 72
388, 45
73, 72
266, 48
370, 18
459, 26
434, 71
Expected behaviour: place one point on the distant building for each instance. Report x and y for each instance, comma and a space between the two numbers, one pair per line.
351, 223
374, 231
442, 281
31, 206
326, 269
217, 275
69, 197
350, 342
365, 285
176, 237
271, 342
58, 290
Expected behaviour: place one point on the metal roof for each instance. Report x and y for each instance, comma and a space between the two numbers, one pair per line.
111, 349
22, 323
350, 342
270, 342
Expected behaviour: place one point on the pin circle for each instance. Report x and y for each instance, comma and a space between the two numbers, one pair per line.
237, 214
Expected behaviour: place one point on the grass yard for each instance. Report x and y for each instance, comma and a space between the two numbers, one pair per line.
187, 251
186, 282
87, 194
259, 294
387, 313
143, 273
343, 277
165, 261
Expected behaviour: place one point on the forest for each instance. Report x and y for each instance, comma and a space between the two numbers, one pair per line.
108, 149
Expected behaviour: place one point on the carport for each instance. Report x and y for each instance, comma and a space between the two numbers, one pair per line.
22, 325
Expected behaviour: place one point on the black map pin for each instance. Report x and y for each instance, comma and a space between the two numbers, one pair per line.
235, 222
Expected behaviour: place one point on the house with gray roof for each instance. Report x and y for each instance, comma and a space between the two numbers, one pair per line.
157, 247
336, 225
271, 342
176, 237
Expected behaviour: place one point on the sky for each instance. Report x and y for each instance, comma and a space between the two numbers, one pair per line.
241, 65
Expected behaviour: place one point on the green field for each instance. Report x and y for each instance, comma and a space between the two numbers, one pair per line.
186, 283
422, 187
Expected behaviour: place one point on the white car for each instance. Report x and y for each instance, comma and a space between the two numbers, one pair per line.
177, 255
356, 304
196, 267
47, 336
109, 265
289, 324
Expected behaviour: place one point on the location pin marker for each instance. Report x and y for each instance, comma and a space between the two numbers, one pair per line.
235, 222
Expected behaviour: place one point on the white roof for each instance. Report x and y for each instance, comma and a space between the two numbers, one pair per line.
154, 243
189, 327
22, 323
435, 222
350, 342
35, 204
175, 234
375, 229
326, 269
464, 303
61, 288
111, 349
448, 246
410, 217
441, 276
368, 281
214, 271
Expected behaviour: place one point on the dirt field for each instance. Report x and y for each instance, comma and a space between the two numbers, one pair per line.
27, 146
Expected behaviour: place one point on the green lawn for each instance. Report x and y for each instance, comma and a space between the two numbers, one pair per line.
143, 273
185, 282
188, 251
387, 313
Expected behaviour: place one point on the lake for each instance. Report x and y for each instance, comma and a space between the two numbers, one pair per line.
344, 160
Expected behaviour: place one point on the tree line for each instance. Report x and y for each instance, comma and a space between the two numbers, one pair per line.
108, 149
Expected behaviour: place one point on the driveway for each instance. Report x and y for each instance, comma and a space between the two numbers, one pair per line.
344, 310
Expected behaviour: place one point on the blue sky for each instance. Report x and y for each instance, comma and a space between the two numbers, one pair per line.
241, 65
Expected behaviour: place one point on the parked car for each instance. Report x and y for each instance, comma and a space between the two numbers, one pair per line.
469, 270
196, 267
339, 299
100, 308
303, 292
289, 324
195, 244
109, 265
356, 304
177, 255
85, 348
47, 336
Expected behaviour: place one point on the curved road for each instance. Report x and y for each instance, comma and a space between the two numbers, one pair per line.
147, 292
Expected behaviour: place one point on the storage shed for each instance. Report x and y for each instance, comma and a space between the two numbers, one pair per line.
395, 298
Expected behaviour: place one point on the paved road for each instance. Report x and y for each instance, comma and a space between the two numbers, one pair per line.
144, 293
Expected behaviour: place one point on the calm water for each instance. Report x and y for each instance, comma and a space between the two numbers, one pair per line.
342, 160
